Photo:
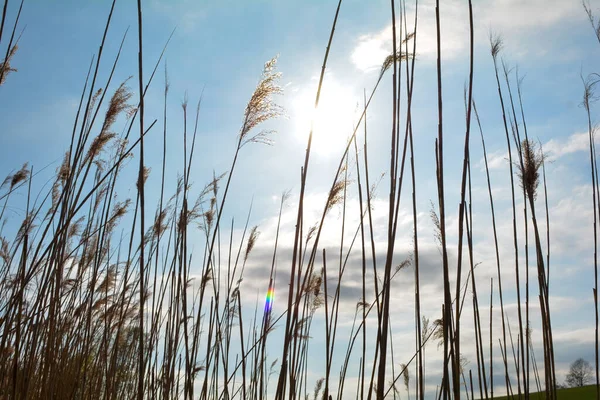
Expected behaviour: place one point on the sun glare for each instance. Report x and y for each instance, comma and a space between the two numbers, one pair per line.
334, 119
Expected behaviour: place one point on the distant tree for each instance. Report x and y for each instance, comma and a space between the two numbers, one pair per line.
580, 373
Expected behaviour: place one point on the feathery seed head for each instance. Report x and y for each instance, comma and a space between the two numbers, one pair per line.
311, 233
159, 223
528, 173
318, 386
20, 176
254, 233
75, 228
589, 95
208, 218
336, 195
404, 264
361, 305
5, 67
495, 44
98, 144
65, 168
145, 175
405, 374
117, 105
389, 60
4, 250
261, 106
184, 102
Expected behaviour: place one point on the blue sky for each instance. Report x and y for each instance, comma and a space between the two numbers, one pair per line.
218, 50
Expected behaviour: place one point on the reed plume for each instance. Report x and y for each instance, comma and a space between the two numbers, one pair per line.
5, 67
261, 107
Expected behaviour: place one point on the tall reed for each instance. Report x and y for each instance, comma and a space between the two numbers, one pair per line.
101, 297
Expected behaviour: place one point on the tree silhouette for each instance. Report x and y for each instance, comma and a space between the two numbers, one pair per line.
580, 373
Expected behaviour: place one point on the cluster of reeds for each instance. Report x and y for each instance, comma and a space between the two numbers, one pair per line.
98, 297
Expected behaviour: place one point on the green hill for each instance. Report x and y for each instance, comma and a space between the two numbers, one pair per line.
577, 393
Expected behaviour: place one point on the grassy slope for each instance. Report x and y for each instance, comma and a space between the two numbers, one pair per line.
579, 393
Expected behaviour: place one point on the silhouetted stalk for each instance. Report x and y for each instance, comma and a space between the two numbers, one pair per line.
491, 330
336, 186
374, 259
267, 314
526, 338
364, 267
10, 47
410, 71
476, 316
50, 348
351, 339
547, 254
393, 362
405, 366
439, 147
21, 295
481, 373
384, 314
544, 300
3, 18
517, 138
373, 254
495, 240
279, 394
242, 345
512, 347
38, 258
547, 219
190, 348
529, 175
503, 353
496, 44
141, 184
327, 329
535, 368
461, 212
588, 86
587, 98
78, 309
471, 381
342, 264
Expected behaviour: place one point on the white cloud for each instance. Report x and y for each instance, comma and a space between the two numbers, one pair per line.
372, 48
510, 15
574, 143
370, 51
554, 148
516, 20
496, 159
582, 335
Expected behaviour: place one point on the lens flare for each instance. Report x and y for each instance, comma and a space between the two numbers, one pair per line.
269, 299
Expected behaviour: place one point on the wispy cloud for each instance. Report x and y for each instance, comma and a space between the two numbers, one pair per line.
186, 14
496, 159
516, 20
559, 147
554, 149
372, 48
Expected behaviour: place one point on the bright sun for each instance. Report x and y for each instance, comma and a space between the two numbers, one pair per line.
333, 121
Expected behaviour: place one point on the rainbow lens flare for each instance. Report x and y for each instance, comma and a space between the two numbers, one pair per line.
269, 299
